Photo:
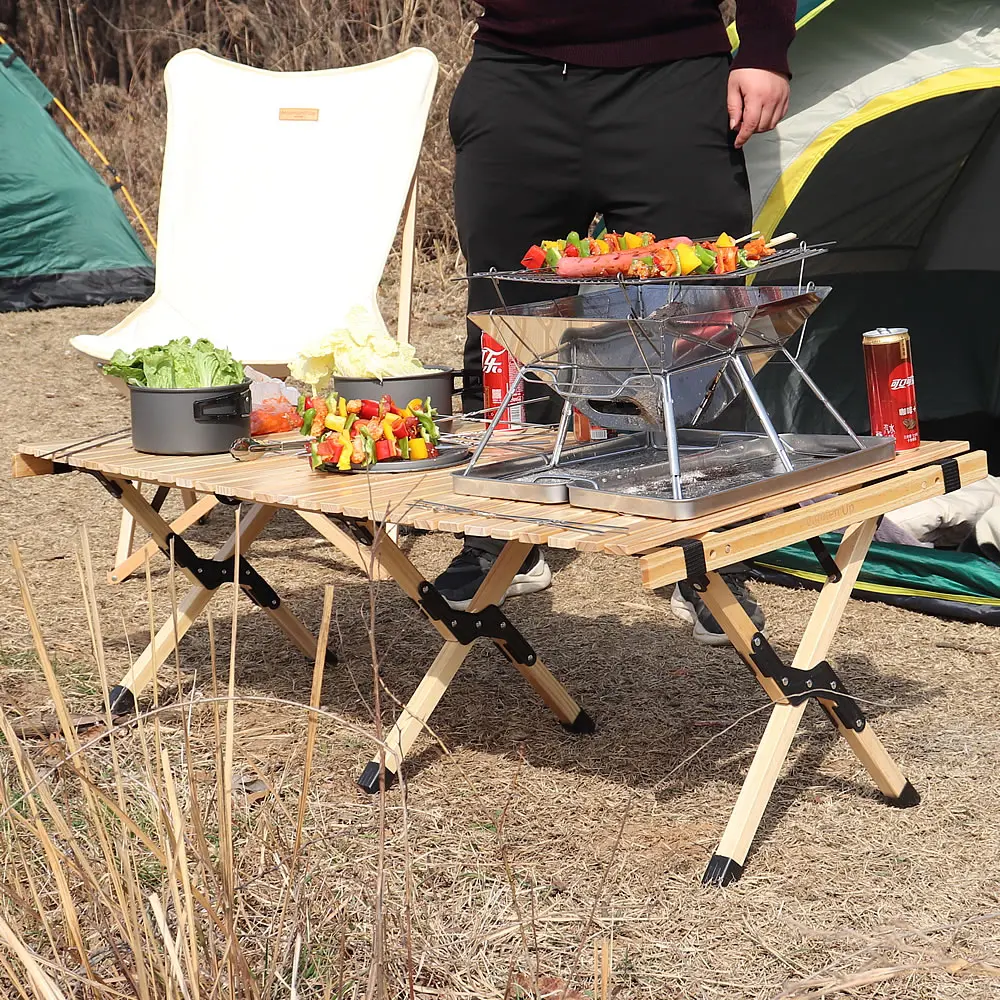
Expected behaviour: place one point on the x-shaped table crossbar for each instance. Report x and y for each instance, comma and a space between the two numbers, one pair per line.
809, 676
206, 575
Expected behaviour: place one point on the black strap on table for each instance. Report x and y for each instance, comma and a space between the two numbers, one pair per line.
952, 475
825, 559
694, 561
109, 484
354, 527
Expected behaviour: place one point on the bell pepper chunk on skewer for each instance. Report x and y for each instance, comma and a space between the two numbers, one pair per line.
534, 259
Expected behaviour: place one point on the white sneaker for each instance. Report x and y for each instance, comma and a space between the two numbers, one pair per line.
460, 581
539, 577
687, 605
682, 610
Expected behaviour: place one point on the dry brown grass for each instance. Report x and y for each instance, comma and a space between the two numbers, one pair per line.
105, 61
521, 845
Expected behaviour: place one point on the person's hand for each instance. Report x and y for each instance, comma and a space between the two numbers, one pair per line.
757, 101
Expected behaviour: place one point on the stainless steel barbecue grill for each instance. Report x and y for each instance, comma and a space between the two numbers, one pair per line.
657, 361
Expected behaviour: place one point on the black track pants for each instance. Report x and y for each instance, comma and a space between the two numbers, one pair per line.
542, 147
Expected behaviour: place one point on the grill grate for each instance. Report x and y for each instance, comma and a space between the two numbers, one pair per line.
781, 258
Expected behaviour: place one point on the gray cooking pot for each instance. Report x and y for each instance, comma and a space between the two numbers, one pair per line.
189, 421
436, 382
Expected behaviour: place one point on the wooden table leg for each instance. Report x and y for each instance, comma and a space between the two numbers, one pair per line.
442, 671
126, 536
124, 568
343, 542
123, 695
727, 864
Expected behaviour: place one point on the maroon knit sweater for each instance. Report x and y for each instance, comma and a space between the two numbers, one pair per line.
598, 33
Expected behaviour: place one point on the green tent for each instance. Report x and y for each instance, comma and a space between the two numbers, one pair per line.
891, 149
958, 585
63, 239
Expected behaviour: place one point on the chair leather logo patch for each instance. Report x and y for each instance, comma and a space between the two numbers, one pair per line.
298, 114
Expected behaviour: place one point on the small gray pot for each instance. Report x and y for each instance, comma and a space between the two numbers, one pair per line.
436, 382
189, 421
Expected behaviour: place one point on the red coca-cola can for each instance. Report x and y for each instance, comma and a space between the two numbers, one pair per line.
892, 398
500, 369
585, 430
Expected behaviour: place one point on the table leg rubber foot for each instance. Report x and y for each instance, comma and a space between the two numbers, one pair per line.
906, 799
583, 723
369, 780
721, 871
121, 700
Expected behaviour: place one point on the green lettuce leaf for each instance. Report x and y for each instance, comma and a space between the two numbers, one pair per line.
177, 365
125, 366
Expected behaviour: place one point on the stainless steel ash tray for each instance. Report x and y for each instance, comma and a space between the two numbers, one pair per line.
534, 477
658, 363
630, 475
721, 470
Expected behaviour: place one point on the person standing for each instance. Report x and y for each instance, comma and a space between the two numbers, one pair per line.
637, 112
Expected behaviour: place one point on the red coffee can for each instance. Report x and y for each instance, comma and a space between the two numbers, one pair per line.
584, 430
892, 398
500, 369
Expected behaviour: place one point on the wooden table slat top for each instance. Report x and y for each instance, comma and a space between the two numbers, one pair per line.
428, 500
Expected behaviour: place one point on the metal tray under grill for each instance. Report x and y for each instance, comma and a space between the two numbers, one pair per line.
718, 470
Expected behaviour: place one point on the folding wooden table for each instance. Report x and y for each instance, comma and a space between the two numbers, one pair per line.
667, 552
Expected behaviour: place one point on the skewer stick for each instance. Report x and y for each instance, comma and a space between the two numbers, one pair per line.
778, 240
749, 236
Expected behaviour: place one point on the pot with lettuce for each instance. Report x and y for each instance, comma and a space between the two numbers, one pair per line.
360, 359
187, 398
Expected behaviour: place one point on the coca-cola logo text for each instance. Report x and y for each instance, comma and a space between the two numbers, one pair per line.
492, 361
900, 383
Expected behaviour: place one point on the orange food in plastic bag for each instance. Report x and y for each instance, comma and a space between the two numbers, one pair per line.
273, 415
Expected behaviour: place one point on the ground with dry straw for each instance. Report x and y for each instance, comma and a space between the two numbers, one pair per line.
519, 845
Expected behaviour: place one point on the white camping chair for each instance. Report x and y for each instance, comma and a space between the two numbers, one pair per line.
280, 198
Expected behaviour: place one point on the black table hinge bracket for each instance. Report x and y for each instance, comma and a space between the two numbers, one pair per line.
213, 573
820, 681
467, 626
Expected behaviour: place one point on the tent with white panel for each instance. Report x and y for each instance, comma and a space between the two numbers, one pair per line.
891, 150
